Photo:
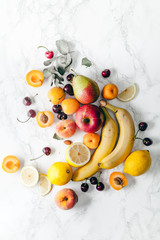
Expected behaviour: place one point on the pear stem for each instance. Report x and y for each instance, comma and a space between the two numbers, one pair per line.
74, 72
105, 104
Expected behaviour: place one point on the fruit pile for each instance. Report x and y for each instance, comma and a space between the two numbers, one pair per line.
111, 148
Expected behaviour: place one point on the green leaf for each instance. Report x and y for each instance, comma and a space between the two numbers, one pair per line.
86, 62
46, 73
62, 46
61, 70
47, 63
69, 63
55, 136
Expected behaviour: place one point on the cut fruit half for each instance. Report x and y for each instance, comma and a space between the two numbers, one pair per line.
77, 154
29, 176
45, 185
128, 94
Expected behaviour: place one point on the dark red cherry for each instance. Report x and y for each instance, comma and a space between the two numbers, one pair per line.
106, 73
70, 77
68, 89
84, 187
57, 108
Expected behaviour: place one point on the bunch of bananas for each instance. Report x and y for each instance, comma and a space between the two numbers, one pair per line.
109, 154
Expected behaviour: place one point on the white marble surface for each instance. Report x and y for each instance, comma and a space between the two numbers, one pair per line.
122, 35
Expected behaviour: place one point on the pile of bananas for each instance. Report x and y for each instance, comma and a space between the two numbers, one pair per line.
109, 154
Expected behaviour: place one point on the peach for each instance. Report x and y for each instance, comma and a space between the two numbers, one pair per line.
35, 78
65, 128
66, 199
45, 119
10, 164
110, 91
91, 140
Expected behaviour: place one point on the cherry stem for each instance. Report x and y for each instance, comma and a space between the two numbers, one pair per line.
138, 138
37, 157
74, 72
86, 181
99, 177
35, 95
136, 134
60, 98
43, 47
23, 121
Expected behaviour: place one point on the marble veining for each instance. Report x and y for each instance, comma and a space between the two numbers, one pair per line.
121, 35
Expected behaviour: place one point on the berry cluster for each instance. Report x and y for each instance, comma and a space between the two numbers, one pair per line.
68, 89
142, 126
93, 181
27, 101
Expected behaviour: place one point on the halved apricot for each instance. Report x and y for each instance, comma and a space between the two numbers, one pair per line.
45, 119
35, 78
117, 180
10, 164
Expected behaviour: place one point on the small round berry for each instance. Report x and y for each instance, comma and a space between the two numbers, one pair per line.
147, 141
100, 186
68, 89
27, 101
49, 54
57, 108
84, 187
93, 180
31, 113
46, 151
106, 73
142, 126
62, 116
70, 77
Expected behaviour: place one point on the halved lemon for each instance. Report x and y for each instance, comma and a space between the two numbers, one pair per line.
29, 176
128, 94
45, 185
77, 154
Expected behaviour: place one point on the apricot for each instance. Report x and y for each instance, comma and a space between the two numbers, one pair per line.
65, 128
45, 119
117, 180
56, 95
35, 78
110, 91
91, 140
10, 164
70, 106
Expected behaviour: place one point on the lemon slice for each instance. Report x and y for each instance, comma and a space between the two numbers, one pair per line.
29, 176
77, 154
128, 94
45, 185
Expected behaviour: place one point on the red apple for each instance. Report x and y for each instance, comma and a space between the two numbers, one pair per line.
89, 118
66, 198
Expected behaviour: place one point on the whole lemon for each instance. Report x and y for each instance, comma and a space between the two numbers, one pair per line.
59, 173
137, 163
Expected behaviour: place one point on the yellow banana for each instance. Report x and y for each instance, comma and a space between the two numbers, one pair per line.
108, 140
126, 137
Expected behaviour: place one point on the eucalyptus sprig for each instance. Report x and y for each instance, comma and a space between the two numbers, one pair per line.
57, 66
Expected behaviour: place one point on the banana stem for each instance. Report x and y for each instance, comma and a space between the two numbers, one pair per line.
105, 104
